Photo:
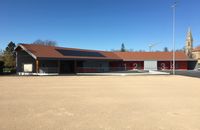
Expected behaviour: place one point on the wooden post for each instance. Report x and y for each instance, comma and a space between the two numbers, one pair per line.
125, 66
75, 65
58, 66
37, 66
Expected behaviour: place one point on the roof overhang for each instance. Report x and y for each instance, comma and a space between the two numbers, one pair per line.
26, 50
196, 51
50, 58
159, 60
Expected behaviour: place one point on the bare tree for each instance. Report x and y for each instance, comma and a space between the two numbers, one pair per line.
181, 49
141, 51
130, 50
45, 42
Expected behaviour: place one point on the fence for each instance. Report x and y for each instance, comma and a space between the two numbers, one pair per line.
102, 69
48, 70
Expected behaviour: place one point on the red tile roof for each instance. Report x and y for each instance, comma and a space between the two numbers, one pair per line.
41, 51
196, 49
131, 56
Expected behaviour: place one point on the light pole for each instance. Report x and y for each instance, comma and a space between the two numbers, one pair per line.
174, 22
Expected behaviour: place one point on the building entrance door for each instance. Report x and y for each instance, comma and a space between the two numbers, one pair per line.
150, 65
67, 67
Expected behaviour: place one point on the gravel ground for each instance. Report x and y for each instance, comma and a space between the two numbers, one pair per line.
99, 103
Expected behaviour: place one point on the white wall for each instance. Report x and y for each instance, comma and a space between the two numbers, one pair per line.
150, 65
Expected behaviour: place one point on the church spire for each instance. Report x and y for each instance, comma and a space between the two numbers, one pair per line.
189, 34
189, 43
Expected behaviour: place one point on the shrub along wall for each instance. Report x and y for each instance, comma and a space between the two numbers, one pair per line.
1, 67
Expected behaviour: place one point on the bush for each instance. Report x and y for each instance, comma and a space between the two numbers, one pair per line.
13, 70
1, 67
9, 70
1, 70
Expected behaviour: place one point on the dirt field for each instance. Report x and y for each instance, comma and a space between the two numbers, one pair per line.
100, 103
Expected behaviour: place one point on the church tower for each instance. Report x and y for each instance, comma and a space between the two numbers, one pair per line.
189, 44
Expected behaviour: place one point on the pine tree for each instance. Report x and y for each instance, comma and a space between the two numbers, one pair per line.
166, 49
9, 55
123, 48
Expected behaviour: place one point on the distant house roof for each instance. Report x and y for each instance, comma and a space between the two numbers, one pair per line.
130, 56
196, 49
52, 52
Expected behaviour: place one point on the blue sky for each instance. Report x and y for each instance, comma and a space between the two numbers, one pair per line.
98, 24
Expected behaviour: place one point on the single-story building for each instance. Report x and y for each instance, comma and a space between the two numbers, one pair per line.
156, 60
41, 59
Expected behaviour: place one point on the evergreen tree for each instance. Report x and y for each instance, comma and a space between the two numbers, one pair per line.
166, 49
9, 55
123, 48
1, 54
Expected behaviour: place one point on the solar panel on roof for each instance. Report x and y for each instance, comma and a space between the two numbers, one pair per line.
79, 53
